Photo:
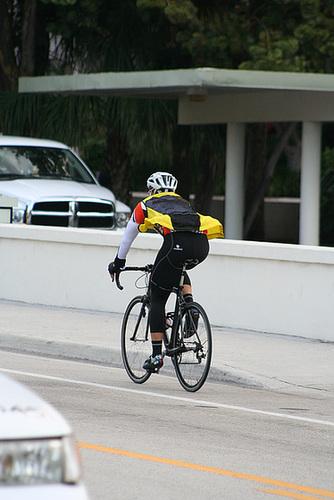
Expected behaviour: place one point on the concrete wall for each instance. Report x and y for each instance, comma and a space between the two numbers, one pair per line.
268, 287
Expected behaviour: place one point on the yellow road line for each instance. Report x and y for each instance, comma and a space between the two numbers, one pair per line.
289, 494
203, 468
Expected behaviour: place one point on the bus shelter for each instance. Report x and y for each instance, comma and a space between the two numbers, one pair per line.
233, 97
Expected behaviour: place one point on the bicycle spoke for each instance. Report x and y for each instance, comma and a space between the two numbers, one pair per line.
135, 340
192, 362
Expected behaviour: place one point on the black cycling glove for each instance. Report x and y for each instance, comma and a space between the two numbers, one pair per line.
116, 266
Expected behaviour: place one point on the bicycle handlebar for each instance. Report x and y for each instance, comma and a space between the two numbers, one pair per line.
146, 269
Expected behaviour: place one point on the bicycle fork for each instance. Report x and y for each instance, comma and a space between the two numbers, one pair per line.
142, 314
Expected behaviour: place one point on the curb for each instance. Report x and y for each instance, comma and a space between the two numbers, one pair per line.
111, 357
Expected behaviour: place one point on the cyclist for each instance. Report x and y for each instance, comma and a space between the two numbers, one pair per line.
185, 238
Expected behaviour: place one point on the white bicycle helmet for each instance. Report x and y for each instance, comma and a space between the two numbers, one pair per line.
161, 181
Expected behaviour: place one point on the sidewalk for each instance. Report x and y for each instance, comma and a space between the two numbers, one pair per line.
251, 359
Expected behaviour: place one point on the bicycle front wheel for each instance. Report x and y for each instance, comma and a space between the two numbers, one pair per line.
193, 340
135, 339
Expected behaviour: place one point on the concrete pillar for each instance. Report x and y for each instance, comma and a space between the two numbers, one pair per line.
234, 185
309, 216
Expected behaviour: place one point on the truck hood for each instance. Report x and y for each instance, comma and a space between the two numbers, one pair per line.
25, 415
31, 190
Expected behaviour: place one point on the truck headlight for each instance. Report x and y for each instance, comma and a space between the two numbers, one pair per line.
39, 461
18, 215
122, 218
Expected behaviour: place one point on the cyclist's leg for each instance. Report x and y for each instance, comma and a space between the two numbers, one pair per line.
187, 289
188, 297
164, 277
157, 327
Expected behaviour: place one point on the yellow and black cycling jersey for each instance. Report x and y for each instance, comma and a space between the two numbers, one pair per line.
171, 212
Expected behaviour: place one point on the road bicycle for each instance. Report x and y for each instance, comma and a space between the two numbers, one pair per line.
187, 340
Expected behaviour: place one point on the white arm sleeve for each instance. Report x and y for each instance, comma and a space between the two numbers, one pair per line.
129, 235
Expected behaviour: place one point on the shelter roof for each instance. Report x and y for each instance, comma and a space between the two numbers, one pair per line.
208, 95
176, 83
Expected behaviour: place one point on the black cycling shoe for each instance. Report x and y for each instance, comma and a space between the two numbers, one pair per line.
191, 324
153, 365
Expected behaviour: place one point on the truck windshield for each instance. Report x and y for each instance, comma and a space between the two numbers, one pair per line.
41, 162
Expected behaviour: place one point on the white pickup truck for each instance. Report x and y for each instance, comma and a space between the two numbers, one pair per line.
54, 187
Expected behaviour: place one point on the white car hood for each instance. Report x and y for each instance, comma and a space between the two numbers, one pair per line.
31, 190
25, 415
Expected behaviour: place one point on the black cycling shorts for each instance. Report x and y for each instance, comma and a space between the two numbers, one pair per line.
177, 248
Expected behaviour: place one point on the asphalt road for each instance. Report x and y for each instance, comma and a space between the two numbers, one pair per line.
157, 442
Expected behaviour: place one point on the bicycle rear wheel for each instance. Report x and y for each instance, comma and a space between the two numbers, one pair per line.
192, 336
135, 339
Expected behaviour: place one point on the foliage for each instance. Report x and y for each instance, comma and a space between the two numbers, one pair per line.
285, 35
290, 36
70, 119
286, 182
286, 179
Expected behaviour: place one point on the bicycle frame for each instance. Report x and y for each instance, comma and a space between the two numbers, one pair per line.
171, 315
179, 301
145, 301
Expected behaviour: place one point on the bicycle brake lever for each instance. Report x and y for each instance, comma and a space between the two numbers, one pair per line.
118, 283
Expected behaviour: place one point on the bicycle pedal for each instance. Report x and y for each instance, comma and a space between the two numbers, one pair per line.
153, 370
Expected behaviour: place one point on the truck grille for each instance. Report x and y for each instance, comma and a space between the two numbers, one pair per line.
75, 212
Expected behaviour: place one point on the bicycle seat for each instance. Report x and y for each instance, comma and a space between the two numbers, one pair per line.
190, 263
